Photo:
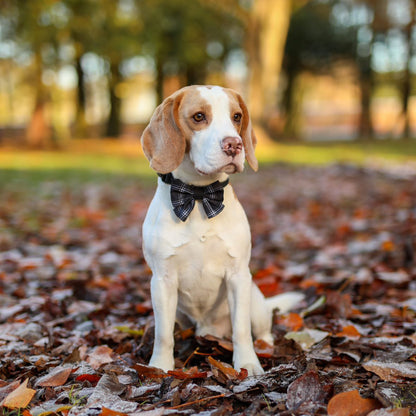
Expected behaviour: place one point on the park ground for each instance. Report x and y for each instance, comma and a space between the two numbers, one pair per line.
335, 220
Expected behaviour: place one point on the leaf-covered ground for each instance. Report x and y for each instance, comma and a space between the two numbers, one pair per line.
76, 325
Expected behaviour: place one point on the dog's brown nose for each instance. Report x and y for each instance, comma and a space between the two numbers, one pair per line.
232, 146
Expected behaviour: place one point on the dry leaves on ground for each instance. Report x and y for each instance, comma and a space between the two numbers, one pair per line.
76, 324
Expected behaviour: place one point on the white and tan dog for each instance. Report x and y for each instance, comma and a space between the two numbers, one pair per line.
200, 265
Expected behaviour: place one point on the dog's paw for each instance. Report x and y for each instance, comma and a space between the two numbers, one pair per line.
253, 369
164, 363
250, 362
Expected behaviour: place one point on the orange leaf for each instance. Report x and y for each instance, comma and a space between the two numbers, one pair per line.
228, 371
263, 349
185, 374
292, 321
187, 333
387, 245
349, 331
272, 270
56, 378
350, 403
108, 412
20, 397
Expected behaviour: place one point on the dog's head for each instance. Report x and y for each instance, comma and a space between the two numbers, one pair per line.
209, 123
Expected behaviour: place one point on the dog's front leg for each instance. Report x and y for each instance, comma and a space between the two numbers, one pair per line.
239, 294
164, 299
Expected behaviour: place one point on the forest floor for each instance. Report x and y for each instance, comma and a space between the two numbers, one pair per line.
76, 324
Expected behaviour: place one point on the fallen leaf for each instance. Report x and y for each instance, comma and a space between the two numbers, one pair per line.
229, 372
148, 372
307, 337
405, 411
349, 331
108, 412
392, 371
127, 330
56, 410
20, 397
92, 378
263, 349
350, 403
188, 374
292, 321
99, 356
306, 393
57, 377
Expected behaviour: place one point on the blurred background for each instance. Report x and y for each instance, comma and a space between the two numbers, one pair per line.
312, 70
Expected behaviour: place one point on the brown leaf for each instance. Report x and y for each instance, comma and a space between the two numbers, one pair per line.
392, 371
100, 356
186, 374
20, 397
306, 393
55, 378
148, 372
350, 403
225, 369
405, 411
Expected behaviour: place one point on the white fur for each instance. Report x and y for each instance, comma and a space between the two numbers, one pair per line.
206, 153
201, 266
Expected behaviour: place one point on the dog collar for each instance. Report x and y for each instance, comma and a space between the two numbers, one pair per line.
183, 196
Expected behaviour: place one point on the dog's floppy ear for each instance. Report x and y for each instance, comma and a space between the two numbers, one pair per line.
248, 136
162, 140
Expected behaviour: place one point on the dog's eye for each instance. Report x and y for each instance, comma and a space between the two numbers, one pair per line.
198, 117
237, 117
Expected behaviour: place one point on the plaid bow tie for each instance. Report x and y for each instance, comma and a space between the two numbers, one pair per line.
183, 196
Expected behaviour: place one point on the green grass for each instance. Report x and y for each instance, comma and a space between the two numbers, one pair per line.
360, 152
101, 160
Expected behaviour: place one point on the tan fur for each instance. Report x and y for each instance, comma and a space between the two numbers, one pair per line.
163, 140
166, 139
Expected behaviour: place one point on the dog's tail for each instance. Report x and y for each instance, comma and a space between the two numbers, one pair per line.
285, 301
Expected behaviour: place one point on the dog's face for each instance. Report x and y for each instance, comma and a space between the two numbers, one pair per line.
211, 124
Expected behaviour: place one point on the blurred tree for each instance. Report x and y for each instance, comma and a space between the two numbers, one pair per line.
186, 39
314, 44
35, 24
82, 37
269, 24
407, 78
117, 28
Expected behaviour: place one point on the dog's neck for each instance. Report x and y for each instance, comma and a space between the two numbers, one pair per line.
187, 173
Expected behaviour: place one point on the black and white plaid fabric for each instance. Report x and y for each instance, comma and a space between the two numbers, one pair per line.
183, 196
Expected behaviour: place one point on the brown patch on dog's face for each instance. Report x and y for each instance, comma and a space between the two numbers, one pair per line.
195, 113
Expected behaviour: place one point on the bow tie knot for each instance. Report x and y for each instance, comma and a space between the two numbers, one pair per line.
183, 196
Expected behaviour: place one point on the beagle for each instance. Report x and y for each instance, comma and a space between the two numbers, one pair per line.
196, 237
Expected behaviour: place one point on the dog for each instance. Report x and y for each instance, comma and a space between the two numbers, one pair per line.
196, 236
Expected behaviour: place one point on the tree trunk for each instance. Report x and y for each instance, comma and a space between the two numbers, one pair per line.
38, 131
267, 37
292, 103
114, 122
407, 86
160, 80
80, 122
366, 130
